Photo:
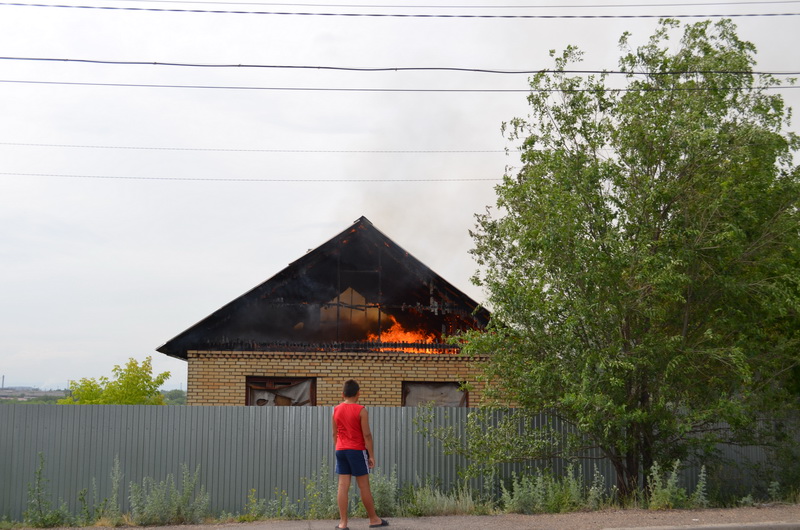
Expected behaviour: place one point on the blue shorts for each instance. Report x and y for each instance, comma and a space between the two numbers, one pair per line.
352, 462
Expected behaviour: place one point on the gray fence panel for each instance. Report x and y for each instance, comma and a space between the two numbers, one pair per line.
237, 449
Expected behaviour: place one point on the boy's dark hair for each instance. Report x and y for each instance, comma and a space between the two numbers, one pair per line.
350, 388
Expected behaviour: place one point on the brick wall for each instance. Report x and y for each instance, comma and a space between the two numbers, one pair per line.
218, 377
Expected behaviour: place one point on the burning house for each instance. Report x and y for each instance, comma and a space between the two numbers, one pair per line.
357, 306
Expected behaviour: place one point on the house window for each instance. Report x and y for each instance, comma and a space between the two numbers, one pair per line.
441, 394
281, 391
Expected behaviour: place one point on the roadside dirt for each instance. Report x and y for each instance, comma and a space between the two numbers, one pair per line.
647, 518
753, 517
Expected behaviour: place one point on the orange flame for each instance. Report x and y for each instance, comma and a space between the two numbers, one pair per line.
396, 333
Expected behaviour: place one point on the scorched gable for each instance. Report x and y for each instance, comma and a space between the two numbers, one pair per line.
357, 306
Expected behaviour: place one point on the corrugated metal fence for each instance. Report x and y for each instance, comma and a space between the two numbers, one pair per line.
236, 448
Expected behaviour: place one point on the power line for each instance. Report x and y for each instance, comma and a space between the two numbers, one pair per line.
395, 15
257, 88
411, 6
283, 180
299, 151
390, 90
387, 68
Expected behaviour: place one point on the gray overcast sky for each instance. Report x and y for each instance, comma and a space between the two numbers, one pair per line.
94, 271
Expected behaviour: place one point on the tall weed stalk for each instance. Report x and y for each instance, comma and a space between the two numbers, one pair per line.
666, 494
161, 503
39, 512
430, 500
321, 494
544, 493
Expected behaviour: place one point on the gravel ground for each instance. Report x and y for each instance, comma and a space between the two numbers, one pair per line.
782, 516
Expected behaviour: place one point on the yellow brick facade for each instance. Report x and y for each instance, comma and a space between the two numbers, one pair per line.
219, 377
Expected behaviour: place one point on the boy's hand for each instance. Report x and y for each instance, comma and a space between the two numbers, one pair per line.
371, 462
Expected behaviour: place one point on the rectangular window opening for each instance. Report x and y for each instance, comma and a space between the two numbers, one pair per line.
281, 391
416, 393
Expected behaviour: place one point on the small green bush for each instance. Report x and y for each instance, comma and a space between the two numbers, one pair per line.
113, 515
91, 509
774, 491
665, 494
699, 498
161, 503
430, 500
543, 493
282, 508
258, 509
321, 494
596, 496
254, 510
526, 495
384, 492
39, 512
5, 524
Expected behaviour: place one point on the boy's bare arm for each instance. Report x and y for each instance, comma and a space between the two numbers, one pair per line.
368, 442
334, 430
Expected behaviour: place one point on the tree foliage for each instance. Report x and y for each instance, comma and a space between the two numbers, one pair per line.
174, 397
133, 384
643, 265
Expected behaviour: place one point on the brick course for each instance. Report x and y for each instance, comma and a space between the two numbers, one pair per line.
219, 377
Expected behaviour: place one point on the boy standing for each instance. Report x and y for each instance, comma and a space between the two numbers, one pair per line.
355, 454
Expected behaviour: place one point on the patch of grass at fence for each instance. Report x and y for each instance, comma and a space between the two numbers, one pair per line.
546, 493
666, 494
40, 512
164, 503
257, 509
428, 500
152, 502
321, 494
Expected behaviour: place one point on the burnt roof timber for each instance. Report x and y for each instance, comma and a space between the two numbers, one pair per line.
186, 340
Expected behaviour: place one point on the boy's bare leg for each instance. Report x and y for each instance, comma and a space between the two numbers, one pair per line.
366, 498
342, 500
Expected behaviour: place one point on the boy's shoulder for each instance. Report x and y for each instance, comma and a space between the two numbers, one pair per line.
359, 406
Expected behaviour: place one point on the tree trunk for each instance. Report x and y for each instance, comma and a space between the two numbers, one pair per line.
622, 482
632, 470
647, 457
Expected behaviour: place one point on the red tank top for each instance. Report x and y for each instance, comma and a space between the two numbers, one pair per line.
348, 426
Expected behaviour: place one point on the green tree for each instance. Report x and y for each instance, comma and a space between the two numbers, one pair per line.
644, 264
133, 384
174, 397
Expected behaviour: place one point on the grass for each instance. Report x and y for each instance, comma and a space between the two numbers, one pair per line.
156, 503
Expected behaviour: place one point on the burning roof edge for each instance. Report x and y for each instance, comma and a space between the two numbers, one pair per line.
172, 349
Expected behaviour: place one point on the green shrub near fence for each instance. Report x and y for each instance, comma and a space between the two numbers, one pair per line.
164, 502
40, 511
544, 493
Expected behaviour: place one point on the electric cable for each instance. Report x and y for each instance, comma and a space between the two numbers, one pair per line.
296, 151
395, 90
221, 179
392, 68
433, 6
396, 15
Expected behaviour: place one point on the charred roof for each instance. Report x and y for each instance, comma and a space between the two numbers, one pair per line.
359, 290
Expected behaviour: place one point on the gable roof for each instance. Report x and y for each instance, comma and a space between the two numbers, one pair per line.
346, 294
